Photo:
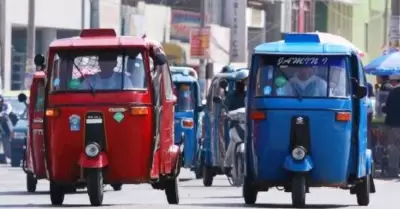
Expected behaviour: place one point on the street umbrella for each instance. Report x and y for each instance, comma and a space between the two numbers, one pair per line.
384, 65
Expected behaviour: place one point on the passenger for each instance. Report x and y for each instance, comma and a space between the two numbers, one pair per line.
392, 121
236, 100
107, 78
306, 84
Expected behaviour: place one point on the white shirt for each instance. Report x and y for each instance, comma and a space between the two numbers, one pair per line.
113, 82
312, 87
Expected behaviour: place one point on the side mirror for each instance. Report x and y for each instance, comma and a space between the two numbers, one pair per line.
217, 99
39, 60
22, 98
160, 59
200, 108
361, 92
223, 84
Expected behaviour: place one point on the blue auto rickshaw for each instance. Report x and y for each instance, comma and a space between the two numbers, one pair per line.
217, 125
307, 120
187, 115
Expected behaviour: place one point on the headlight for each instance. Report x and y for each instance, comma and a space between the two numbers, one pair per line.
299, 153
19, 135
92, 150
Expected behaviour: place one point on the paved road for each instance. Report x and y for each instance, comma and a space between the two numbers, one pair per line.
193, 195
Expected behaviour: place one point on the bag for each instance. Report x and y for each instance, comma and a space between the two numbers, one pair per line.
13, 118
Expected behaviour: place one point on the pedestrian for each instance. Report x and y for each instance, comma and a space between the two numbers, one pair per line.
392, 121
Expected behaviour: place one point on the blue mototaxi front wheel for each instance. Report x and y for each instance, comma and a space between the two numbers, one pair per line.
299, 189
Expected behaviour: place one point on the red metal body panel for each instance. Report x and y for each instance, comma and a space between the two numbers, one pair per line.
128, 143
99, 161
35, 158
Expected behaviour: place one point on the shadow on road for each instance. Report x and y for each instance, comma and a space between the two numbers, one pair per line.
184, 179
201, 186
230, 205
50, 206
21, 193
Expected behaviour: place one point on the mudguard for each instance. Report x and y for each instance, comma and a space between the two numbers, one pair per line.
293, 165
368, 160
175, 153
100, 161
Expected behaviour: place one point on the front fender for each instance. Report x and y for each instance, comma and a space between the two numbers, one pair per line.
293, 165
175, 153
100, 161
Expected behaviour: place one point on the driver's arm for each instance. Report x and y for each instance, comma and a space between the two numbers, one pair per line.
323, 88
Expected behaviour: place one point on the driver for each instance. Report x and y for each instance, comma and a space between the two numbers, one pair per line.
305, 83
237, 130
107, 78
236, 100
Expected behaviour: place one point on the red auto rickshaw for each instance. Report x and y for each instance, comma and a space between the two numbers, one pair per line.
104, 126
33, 161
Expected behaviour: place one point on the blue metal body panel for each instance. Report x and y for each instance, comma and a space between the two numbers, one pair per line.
336, 152
216, 136
190, 135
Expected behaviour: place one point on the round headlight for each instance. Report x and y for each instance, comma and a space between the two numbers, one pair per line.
299, 153
92, 150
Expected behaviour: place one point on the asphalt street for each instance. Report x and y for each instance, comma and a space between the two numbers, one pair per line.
192, 195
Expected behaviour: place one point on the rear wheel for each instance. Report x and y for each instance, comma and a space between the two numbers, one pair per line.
57, 193
249, 192
198, 170
299, 191
116, 187
95, 186
172, 191
208, 176
31, 183
363, 191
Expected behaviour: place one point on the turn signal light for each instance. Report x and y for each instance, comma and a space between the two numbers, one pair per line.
343, 116
187, 123
258, 115
139, 111
51, 112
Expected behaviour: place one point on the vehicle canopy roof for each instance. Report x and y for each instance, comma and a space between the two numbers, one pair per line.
303, 43
183, 74
233, 74
99, 38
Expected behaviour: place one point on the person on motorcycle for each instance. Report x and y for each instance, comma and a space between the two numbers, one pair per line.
6, 128
235, 101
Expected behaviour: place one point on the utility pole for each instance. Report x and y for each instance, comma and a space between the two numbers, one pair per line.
2, 40
385, 22
94, 14
30, 42
301, 18
395, 24
202, 61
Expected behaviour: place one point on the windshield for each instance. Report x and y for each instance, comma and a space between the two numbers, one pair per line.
185, 97
301, 76
99, 70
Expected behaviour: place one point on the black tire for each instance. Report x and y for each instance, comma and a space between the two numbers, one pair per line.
249, 193
57, 193
363, 191
198, 170
299, 189
172, 191
95, 186
31, 183
208, 176
116, 187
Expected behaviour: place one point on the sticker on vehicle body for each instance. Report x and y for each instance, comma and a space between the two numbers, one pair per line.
267, 90
75, 123
118, 117
94, 121
117, 109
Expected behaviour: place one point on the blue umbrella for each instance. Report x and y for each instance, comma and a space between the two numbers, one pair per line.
385, 65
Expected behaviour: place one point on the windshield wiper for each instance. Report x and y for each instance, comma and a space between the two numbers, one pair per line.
92, 90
